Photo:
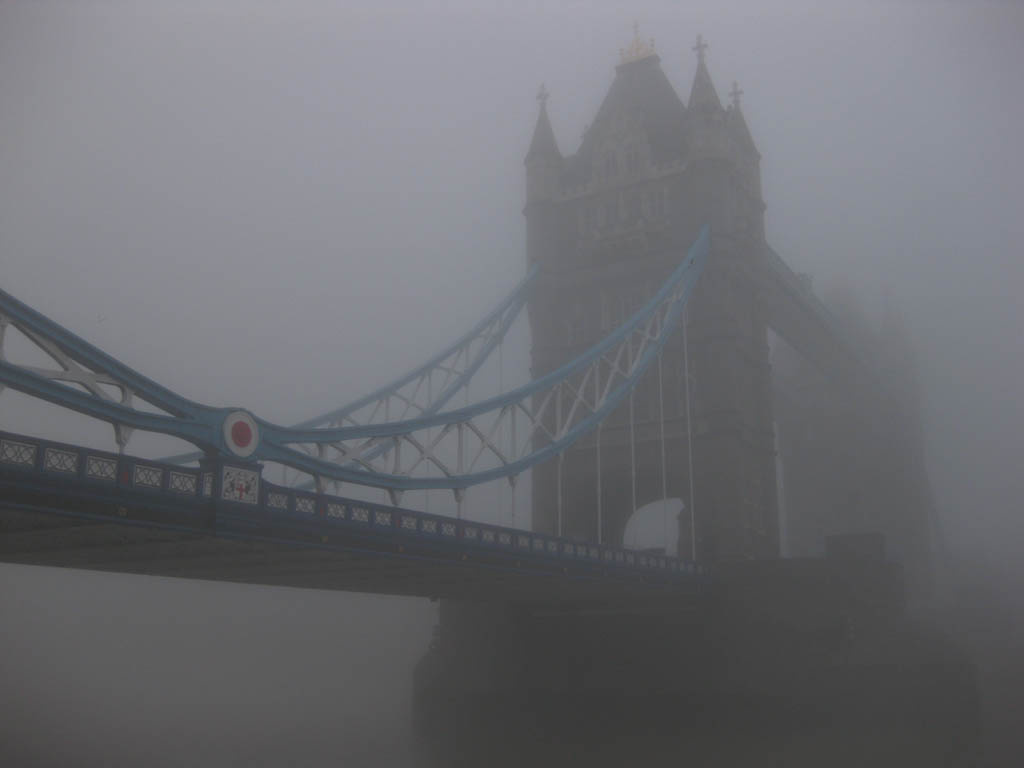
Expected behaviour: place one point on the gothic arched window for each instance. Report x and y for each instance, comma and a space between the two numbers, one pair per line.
658, 203
621, 310
632, 160
576, 326
611, 164
632, 207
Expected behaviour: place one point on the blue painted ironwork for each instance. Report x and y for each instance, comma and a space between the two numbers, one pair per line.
38, 326
505, 314
164, 495
671, 298
206, 427
490, 331
197, 425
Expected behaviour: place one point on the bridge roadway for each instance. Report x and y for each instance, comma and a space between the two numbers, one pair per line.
65, 505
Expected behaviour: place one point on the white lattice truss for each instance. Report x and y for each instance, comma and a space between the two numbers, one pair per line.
503, 436
421, 396
425, 390
397, 438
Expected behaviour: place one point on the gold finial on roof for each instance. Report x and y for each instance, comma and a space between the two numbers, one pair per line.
638, 49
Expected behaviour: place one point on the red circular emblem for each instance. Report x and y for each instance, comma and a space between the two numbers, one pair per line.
241, 433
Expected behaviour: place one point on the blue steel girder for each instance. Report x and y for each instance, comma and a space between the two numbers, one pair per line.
556, 410
455, 366
82, 364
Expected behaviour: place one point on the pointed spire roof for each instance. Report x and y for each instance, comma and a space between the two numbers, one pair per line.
640, 89
543, 143
702, 94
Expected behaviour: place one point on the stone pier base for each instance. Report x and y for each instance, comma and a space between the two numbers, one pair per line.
782, 663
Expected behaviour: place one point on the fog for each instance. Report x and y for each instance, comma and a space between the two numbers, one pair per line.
279, 206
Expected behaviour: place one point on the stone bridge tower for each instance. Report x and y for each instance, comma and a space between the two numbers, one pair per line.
607, 225
607, 682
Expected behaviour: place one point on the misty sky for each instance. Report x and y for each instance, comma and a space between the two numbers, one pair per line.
279, 205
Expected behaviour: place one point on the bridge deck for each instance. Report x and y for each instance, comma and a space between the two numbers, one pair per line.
137, 518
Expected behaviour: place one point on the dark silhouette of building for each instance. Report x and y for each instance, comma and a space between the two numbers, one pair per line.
607, 225
802, 661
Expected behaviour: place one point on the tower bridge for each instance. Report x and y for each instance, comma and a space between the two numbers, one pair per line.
651, 296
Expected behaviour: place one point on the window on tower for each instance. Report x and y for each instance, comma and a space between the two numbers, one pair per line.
611, 164
657, 204
612, 213
632, 207
632, 160
576, 326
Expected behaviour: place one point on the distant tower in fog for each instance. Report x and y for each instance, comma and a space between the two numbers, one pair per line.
607, 225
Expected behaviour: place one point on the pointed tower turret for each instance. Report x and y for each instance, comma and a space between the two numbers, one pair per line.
737, 124
543, 160
748, 159
703, 96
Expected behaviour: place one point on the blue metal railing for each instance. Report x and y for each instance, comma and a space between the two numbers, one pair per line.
73, 471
